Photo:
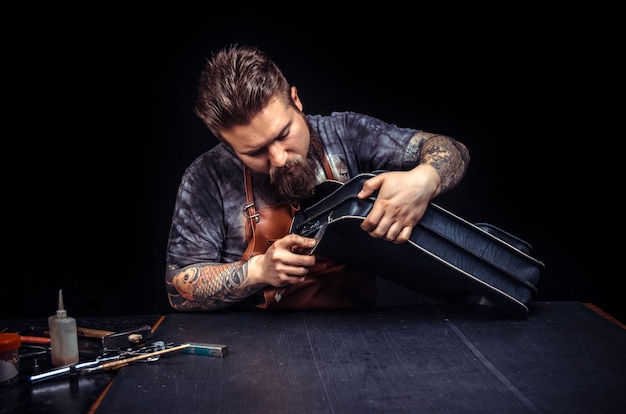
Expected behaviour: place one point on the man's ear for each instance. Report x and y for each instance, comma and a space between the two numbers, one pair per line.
295, 98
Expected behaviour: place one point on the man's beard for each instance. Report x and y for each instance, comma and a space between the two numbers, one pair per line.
298, 184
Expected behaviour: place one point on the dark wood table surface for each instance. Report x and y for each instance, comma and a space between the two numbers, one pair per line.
563, 358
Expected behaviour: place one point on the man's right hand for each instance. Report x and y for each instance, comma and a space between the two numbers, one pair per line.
282, 264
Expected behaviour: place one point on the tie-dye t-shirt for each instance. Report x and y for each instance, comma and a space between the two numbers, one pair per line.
208, 224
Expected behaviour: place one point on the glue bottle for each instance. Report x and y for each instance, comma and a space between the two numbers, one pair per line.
63, 336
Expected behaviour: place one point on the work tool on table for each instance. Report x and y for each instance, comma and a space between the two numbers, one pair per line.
198, 348
115, 340
149, 353
122, 362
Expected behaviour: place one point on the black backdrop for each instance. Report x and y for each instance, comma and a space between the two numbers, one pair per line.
99, 129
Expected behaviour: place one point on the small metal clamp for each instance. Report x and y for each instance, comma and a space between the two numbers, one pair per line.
250, 216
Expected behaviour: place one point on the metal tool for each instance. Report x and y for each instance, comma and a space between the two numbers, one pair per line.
148, 353
69, 369
116, 340
29, 351
116, 364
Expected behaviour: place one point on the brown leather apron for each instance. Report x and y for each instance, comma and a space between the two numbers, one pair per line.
328, 285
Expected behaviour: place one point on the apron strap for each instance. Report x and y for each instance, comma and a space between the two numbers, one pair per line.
251, 213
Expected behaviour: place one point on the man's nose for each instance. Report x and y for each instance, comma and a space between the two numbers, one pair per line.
277, 155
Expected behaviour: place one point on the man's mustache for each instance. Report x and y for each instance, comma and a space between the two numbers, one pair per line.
278, 172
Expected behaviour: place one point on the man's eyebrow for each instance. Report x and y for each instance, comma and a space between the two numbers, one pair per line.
280, 134
283, 131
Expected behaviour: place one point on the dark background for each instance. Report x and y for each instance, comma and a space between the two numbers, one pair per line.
99, 129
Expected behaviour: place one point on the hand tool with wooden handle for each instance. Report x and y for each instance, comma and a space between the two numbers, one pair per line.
116, 340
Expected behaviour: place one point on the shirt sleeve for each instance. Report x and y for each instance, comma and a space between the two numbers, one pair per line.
357, 143
207, 223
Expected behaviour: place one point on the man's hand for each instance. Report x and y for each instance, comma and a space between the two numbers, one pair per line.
402, 199
282, 264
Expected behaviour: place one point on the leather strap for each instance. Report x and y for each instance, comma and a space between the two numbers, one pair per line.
251, 213
322, 155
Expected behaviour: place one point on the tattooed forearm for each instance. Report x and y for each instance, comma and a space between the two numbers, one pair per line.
449, 157
208, 286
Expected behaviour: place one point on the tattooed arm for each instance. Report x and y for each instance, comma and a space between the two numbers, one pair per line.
403, 196
447, 156
214, 286
208, 286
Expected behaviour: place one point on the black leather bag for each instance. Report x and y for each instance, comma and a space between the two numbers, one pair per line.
447, 258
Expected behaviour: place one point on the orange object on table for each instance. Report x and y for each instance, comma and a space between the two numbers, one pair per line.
39, 340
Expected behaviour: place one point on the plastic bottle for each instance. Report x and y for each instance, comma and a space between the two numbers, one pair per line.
63, 336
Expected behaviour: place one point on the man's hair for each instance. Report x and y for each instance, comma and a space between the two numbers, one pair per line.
235, 85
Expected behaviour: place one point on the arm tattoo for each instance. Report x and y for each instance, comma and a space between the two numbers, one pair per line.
208, 286
446, 155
